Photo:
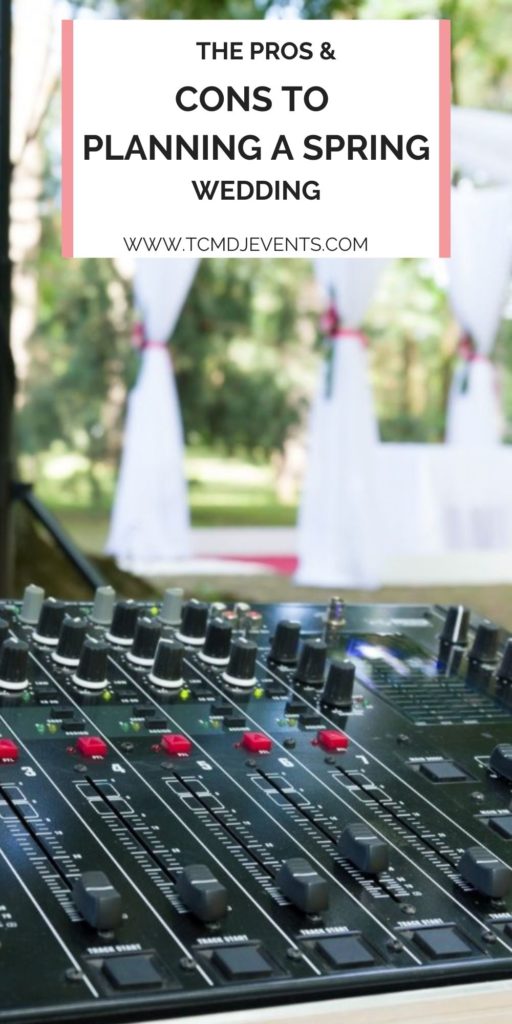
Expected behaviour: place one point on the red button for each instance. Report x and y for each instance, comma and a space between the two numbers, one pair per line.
91, 746
175, 743
331, 739
256, 742
8, 751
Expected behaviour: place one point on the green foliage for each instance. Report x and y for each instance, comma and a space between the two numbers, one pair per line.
236, 353
79, 355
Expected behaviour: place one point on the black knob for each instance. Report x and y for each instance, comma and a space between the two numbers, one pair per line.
242, 663
202, 892
339, 685
145, 642
98, 901
167, 671
13, 665
285, 644
485, 872
485, 644
504, 671
91, 673
71, 637
500, 761
4, 630
455, 628
194, 616
50, 620
311, 667
218, 642
364, 848
301, 883
124, 622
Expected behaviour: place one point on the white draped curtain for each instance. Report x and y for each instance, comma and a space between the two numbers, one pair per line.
338, 517
150, 519
478, 275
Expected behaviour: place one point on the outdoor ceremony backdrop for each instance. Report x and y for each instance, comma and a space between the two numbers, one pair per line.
247, 347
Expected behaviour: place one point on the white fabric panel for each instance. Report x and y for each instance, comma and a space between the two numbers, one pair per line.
150, 520
478, 274
482, 143
337, 529
436, 498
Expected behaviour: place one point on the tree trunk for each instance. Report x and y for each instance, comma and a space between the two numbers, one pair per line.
6, 362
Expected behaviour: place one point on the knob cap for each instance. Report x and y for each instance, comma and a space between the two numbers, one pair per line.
311, 667
194, 617
218, 642
147, 635
485, 872
285, 644
98, 901
13, 666
364, 849
33, 598
455, 628
103, 605
50, 620
170, 612
124, 623
504, 671
167, 671
242, 663
202, 893
91, 673
485, 644
339, 685
303, 885
4, 630
500, 761
71, 637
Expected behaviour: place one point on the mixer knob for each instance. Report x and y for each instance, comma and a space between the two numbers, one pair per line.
218, 642
33, 598
4, 630
103, 605
485, 872
504, 671
91, 673
485, 644
13, 666
170, 612
242, 663
455, 628
124, 623
98, 901
303, 886
311, 667
167, 671
71, 637
500, 761
285, 643
202, 893
339, 685
147, 635
364, 849
50, 620
194, 617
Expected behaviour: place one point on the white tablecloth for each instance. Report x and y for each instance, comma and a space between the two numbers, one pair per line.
429, 499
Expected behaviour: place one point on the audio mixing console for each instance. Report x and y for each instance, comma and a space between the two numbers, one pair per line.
205, 807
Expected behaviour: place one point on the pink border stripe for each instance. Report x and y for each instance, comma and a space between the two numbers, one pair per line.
67, 138
445, 98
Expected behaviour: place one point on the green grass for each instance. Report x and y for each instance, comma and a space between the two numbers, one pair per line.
222, 491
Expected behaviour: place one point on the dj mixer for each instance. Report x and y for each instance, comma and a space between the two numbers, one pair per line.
206, 807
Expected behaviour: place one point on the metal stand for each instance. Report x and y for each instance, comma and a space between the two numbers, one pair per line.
24, 493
